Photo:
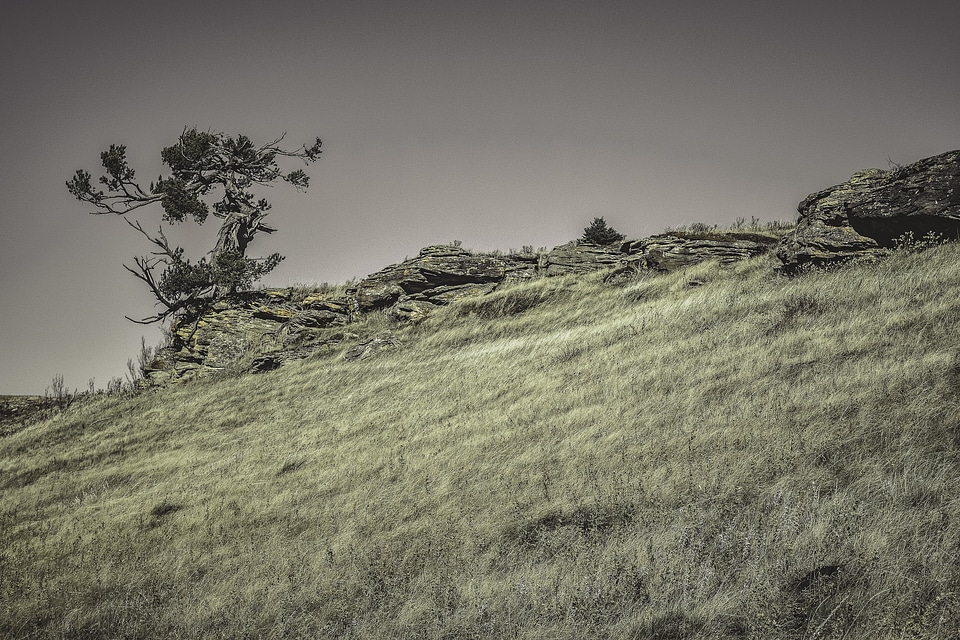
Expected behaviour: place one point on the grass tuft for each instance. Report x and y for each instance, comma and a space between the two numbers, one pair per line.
165, 508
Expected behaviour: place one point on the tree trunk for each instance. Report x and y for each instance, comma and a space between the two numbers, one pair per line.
239, 228
241, 224
234, 235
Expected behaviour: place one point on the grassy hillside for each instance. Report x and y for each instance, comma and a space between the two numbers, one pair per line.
680, 456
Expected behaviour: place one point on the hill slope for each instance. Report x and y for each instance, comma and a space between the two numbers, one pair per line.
719, 452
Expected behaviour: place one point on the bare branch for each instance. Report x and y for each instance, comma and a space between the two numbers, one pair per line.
273, 145
144, 272
128, 204
161, 242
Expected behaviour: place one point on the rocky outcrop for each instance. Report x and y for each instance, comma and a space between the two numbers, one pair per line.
866, 215
442, 274
438, 275
580, 257
267, 327
672, 251
262, 330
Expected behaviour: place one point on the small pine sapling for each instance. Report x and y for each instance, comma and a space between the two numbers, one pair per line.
600, 233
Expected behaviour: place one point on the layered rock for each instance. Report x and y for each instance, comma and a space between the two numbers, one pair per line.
580, 257
866, 215
275, 324
437, 276
265, 329
272, 327
672, 251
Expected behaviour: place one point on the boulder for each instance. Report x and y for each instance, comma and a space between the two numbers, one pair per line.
411, 310
439, 274
580, 257
371, 295
672, 251
866, 215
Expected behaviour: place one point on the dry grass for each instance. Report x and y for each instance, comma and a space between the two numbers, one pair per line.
564, 459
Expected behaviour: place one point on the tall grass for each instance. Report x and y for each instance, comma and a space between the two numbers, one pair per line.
715, 453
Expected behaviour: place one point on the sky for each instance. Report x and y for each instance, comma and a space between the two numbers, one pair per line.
499, 124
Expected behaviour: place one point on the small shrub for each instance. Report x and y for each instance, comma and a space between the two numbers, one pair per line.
702, 227
59, 391
600, 233
115, 386
908, 244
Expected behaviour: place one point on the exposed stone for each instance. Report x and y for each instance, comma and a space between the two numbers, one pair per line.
865, 216
263, 326
438, 274
672, 251
316, 318
319, 303
580, 257
220, 337
372, 296
268, 328
372, 346
275, 359
411, 310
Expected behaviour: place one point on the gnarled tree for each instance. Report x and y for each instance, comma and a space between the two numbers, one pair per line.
200, 162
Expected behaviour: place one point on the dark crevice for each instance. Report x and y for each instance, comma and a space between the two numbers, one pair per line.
886, 231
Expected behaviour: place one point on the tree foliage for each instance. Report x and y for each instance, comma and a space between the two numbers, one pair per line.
200, 163
600, 233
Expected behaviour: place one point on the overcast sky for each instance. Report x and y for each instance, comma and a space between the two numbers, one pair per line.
500, 124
